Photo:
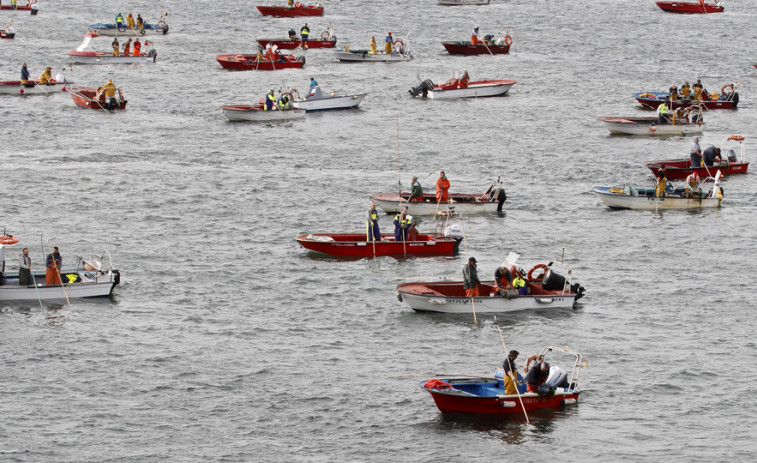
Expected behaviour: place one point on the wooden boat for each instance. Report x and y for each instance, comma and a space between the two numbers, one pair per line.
298, 9
679, 169
355, 245
15, 87
465, 203
326, 40
690, 7
463, 2
84, 54
548, 290
90, 278
251, 63
86, 97
452, 89
486, 396
693, 123
257, 113
499, 46
112, 30
354, 56
645, 198
728, 99
31, 6
317, 101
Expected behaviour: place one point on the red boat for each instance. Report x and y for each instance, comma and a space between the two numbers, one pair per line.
86, 97
288, 44
727, 99
464, 47
290, 12
7, 34
31, 5
355, 245
251, 63
690, 7
486, 396
679, 169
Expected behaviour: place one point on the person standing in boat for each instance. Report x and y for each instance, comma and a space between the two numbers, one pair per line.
115, 45
53, 263
673, 94
442, 188
661, 181
471, 283
25, 268
24, 74
401, 226
474, 40
314, 89
662, 114
692, 184
695, 153
290, 3
130, 21
119, 22
388, 43
140, 22
464, 79
416, 192
304, 33
127, 47
374, 50
14, 4
698, 90
686, 91
511, 372
137, 47
372, 231
536, 376
269, 100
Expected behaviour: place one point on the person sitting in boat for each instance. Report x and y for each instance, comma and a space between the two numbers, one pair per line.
24, 74
401, 226
662, 114
130, 21
471, 283
119, 22
292, 35
284, 102
442, 188
536, 376
374, 50
275, 55
416, 191
698, 90
463, 82
677, 117
269, 100
692, 185
503, 280
711, 156
45, 77
60, 77
388, 43
520, 284
474, 40
661, 180
304, 33
673, 92
116, 46
695, 153
511, 372
686, 91
372, 232
127, 47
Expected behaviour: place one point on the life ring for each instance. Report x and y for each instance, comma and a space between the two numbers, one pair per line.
508, 40
736, 137
722, 89
298, 5
530, 277
399, 46
8, 239
325, 35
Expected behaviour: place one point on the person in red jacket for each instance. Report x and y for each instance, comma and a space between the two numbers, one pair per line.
442, 188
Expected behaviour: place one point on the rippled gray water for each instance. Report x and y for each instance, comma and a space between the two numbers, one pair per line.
226, 342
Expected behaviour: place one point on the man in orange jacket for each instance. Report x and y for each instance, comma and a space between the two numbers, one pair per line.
442, 188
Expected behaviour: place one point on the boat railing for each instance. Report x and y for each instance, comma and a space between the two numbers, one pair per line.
579, 362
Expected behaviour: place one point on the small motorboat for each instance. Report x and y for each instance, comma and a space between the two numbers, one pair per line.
316, 9
90, 278
15, 87
463, 2
112, 30
546, 290
684, 122
84, 54
630, 197
498, 46
355, 245
257, 113
679, 169
690, 7
251, 63
8, 32
326, 40
91, 98
31, 6
486, 395
400, 53
727, 99
466, 203
454, 88
317, 101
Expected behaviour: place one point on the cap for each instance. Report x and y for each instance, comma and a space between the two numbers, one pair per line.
472, 259
514, 353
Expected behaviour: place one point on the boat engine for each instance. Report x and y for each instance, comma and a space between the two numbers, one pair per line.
454, 231
423, 87
553, 281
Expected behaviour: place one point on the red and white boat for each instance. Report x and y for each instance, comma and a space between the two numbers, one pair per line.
31, 5
679, 169
727, 99
257, 113
355, 245
86, 97
486, 395
250, 62
690, 7
454, 89
84, 54
499, 46
8, 32
326, 40
15, 87
316, 9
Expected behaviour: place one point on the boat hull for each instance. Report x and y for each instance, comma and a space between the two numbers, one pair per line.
474, 90
679, 169
91, 285
651, 100
85, 97
355, 245
463, 2
251, 63
689, 7
14, 87
466, 48
7, 35
286, 12
237, 113
286, 44
648, 126
463, 203
105, 58
645, 200
330, 102
110, 30
361, 56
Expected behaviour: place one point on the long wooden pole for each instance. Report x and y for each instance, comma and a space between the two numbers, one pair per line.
502, 338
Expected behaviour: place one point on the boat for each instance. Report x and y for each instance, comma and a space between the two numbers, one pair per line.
463, 2
453, 89
317, 101
15, 87
250, 62
354, 56
355, 245
727, 99
466, 203
112, 30
31, 6
316, 9
690, 7
679, 169
499, 46
257, 113
691, 123
546, 290
326, 40
90, 278
630, 197
84, 54
485, 396
8, 32
86, 97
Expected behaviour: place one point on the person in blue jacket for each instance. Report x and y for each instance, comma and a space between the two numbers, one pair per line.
372, 231
402, 225
270, 99
24, 74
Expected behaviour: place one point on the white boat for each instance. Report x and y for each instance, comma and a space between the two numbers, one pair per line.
112, 30
463, 2
348, 55
645, 198
549, 290
452, 89
458, 203
15, 87
89, 279
317, 101
84, 54
257, 113
649, 126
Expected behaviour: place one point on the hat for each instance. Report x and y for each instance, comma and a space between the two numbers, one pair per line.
409, 218
472, 259
514, 353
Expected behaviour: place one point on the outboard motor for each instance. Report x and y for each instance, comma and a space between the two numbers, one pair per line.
423, 87
553, 281
731, 156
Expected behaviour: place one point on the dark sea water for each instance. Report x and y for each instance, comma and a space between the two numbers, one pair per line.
228, 342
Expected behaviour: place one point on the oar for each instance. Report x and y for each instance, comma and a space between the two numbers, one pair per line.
465, 243
516, 376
